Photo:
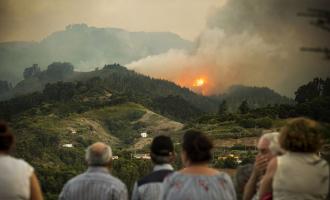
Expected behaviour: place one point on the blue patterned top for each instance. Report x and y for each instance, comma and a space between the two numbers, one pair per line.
195, 187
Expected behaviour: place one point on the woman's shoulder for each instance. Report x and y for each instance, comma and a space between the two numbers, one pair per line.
18, 164
173, 175
182, 175
20, 161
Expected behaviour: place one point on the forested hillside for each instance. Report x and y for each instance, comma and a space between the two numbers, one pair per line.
139, 88
116, 79
86, 48
115, 105
53, 140
257, 97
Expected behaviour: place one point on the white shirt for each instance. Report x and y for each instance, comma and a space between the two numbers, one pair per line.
300, 176
15, 177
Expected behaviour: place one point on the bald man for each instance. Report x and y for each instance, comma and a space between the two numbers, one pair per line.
96, 182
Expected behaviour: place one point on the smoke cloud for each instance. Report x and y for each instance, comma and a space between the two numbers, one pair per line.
250, 42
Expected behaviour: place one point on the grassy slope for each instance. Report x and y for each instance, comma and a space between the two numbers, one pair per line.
41, 134
40, 138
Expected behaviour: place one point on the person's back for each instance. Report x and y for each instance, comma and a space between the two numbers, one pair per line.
95, 183
301, 176
14, 178
195, 187
150, 187
17, 178
197, 180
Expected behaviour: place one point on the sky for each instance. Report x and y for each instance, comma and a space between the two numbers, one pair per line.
250, 42
25, 20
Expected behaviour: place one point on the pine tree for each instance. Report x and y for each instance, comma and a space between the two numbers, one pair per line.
223, 108
244, 107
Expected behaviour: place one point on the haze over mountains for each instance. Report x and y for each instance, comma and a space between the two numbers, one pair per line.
86, 48
162, 55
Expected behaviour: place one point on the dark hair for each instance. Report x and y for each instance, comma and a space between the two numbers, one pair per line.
161, 149
197, 146
162, 145
301, 135
6, 137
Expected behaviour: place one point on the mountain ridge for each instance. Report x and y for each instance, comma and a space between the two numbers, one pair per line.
85, 47
162, 96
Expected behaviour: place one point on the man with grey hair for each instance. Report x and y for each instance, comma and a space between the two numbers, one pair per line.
268, 147
162, 155
96, 182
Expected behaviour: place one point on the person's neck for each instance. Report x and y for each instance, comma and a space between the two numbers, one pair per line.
197, 165
99, 167
199, 169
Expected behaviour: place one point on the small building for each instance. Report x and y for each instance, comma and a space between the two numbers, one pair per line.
142, 156
67, 145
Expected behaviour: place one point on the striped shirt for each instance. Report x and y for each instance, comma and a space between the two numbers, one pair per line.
150, 187
95, 183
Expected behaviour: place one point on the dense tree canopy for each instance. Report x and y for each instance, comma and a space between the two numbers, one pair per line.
244, 107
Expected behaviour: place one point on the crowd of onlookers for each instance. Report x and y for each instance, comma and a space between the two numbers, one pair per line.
287, 167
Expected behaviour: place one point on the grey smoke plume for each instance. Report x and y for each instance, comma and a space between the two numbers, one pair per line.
251, 42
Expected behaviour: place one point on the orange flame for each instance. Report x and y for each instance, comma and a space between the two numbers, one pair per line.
199, 82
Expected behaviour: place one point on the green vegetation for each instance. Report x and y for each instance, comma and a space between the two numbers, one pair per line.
115, 105
120, 120
40, 140
113, 84
255, 97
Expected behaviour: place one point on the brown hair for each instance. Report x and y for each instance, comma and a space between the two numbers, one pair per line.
197, 146
6, 137
301, 135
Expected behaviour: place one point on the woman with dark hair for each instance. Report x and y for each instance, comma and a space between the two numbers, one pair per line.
300, 173
197, 180
17, 179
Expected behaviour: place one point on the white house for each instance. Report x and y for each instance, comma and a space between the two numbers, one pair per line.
144, 135
67, 145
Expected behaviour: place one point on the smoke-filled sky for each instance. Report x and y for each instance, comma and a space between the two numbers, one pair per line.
251, 42
35, 19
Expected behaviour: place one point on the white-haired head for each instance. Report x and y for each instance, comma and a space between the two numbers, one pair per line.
98, 154
274, 145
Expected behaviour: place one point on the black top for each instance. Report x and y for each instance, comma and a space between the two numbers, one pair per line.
156, 176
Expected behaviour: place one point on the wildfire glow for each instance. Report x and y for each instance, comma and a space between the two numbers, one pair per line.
199, 82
